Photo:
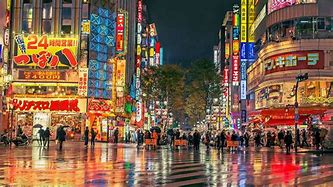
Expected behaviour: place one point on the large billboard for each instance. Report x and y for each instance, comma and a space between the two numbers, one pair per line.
294, 61
101, 50
274, 5
45, 51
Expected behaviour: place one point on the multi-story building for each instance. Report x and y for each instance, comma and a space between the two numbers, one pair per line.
70, 62
292, 37
44, 66
231, 68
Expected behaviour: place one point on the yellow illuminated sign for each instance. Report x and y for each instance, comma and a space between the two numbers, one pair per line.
244, 25
251, 13
45, 51
227, 50
86, 26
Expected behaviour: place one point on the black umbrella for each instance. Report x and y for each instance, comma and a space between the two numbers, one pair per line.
157, 129
37, 126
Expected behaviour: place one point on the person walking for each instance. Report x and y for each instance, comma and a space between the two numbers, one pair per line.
304, 138
257, 139
41, 136
116, 133
268, 139
93, 137
19, 131
196, 140
138, 134
223, 139
298, 138
317, 139
280, 138
47, 135
61, 136
86, 136
207, 139
177, 134
170, 134
288, 139
246, 138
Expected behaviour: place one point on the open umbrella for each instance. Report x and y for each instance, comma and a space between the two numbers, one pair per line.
37, 126
156, 128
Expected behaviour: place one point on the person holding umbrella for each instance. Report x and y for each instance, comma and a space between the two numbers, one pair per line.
47, 135
41, 136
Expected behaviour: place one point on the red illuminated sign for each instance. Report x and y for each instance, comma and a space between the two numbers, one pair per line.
139, 11
294, 61
53, 105
120, 32
279, 4
235, 70
99, 105
226, 77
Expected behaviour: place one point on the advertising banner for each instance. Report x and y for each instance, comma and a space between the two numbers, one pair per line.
83, 82
227, 51
45, 51
294, 61
226, 77
251, 17
152, 30
243, 89
244, 25
120, 32
235, 70
42, 75
121, 73
274, 5
47, 104
99, 105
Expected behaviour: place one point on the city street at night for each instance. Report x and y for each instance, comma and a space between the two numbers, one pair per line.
125, 165
173, 92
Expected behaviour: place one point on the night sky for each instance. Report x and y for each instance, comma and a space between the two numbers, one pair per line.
188, 29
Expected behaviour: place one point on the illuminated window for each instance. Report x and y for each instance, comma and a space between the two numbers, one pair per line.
27, 16
66, 22
47, 16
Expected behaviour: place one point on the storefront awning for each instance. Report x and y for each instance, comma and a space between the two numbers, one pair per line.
284, 122
291, 111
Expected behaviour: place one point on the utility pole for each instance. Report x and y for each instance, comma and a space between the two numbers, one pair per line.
299, 78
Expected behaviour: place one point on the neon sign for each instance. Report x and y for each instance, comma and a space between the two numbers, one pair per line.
44, 51
53, 105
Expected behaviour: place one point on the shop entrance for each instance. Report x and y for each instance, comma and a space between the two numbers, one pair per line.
40, 118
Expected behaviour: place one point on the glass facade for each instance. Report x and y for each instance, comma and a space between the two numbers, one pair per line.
66, 21
47, 17
27, 13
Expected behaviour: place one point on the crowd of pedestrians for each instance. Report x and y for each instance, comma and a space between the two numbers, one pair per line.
217, 139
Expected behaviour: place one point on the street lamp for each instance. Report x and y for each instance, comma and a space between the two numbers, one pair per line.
299, 78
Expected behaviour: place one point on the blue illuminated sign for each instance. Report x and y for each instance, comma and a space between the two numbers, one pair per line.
250, 50
243, 50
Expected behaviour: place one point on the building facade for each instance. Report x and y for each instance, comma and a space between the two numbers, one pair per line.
292, 38
74, 63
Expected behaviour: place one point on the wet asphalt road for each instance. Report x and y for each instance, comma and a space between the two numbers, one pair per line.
125, 165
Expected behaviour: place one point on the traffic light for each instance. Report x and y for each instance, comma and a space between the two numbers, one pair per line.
302, 77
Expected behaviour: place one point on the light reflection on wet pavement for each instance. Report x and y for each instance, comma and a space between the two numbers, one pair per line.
125, 165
